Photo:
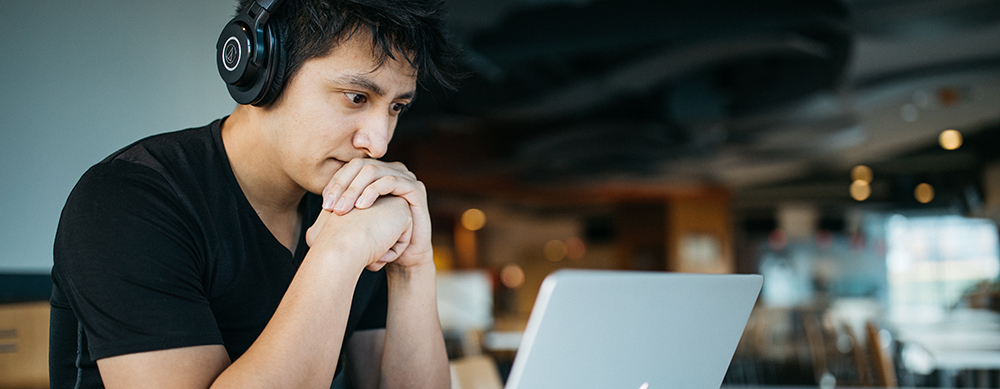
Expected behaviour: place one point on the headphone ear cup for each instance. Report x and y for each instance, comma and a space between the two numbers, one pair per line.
276, 66
233, 54
249, 82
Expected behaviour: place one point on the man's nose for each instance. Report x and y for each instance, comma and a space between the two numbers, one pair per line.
373, 136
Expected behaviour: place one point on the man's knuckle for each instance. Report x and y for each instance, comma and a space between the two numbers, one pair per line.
369, 169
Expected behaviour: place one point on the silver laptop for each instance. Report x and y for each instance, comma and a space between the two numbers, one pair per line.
633, 330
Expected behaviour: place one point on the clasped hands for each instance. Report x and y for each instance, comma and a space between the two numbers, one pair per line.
390, 222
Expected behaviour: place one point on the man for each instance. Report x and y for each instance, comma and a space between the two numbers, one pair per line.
270, 248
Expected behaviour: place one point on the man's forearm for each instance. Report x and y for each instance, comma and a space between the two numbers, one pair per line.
301, 344
414, 355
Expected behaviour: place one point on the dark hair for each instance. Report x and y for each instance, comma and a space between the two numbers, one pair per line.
414, 29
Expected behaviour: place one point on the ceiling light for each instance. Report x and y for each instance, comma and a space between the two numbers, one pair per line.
862, 173
924, 193
860, 190
950, 139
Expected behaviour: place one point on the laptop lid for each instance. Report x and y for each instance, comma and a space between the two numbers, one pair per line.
633, 330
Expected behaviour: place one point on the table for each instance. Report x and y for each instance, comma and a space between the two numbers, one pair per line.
968, 340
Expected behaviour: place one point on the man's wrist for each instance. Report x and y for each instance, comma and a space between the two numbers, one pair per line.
422, 272
339, 250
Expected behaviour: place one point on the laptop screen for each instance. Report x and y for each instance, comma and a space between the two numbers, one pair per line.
631, 330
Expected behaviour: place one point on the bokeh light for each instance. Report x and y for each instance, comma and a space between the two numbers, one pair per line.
950, 139
473, 219
777, 239
860, 190
575, 248
862, 173
909, 113
949, 97
924, 193
512, 276
555, 250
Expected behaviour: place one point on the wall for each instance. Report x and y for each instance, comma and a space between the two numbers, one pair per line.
81, 79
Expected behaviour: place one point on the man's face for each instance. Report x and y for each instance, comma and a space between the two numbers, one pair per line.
337, 108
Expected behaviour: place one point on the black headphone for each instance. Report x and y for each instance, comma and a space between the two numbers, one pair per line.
250, 55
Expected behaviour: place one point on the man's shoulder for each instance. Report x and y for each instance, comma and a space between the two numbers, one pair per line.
185, 148
167, 164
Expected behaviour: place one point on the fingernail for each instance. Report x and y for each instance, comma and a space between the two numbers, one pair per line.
340, 205
328, 202
360, 202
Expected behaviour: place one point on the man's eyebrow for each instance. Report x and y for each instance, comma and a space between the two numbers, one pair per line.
411, 95
365, 83
408, 95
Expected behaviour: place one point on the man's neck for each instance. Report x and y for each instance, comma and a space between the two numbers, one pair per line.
273, 195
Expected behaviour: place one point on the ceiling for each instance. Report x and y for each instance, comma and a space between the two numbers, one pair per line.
770, 100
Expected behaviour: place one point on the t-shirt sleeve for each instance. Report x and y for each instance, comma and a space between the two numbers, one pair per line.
126, 257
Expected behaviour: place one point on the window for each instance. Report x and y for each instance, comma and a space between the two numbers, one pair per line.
932, 261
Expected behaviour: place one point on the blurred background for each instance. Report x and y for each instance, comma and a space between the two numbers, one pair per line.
846, 150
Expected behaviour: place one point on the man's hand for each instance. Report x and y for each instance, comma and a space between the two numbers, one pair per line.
363, 180
381, 232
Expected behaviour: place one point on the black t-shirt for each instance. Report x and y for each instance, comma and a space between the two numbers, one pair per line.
158, 248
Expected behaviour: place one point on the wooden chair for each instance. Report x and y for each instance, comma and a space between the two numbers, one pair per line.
883, 366
860, 356
850, 367
817, 344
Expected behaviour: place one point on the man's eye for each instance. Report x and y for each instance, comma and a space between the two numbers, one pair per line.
357, 98
399, 107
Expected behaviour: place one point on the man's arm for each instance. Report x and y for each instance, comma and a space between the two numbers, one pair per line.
364, 357
300, 345
199, 364
414, 354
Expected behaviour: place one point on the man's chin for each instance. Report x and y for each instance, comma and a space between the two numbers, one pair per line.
318, 185
315, 191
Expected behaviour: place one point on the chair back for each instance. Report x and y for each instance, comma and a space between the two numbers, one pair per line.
883, 366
